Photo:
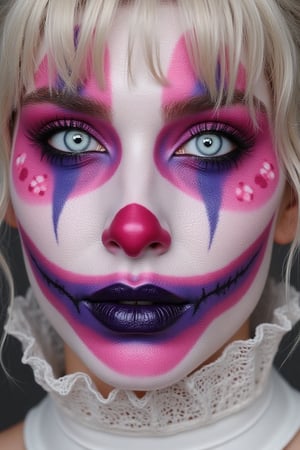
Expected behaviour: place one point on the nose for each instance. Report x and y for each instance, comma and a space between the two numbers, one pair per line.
135, 229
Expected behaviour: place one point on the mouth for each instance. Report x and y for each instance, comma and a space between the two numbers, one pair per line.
146, 309
166, 307
149, 309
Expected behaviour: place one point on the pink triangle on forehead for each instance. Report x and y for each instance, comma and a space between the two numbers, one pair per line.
181, 76
241, 78
41, 78
183, 80
91, 87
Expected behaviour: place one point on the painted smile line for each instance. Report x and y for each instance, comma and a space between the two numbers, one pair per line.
157, 303
147, 308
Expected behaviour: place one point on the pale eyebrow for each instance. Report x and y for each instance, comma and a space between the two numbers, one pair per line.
68, 101
194, 105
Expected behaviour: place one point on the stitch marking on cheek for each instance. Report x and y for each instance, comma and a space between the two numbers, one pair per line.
244, 192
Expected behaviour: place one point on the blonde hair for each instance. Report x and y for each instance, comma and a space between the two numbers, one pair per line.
266, 33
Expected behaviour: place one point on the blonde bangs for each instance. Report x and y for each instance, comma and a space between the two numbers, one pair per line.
247, 32
72, 31
262, 34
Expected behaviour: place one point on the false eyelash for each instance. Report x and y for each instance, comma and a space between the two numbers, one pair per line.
216, 164
241, 139
43, 132
244, 146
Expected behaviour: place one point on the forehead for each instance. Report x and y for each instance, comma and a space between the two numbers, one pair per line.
166, 32
126, 50
127, 66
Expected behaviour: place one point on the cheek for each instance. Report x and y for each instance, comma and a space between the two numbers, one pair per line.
245, 187
37, 181
253, 186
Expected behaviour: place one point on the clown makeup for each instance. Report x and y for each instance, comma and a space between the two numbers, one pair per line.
146, 216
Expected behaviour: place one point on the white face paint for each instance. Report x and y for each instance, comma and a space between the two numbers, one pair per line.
147, 223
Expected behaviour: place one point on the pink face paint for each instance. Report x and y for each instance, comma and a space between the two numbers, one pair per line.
209, 179
259, 173
43, 177
40, 171
144, 319
182, 80
216, 182
204, 299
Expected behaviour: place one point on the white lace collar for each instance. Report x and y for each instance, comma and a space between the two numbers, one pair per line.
216, 391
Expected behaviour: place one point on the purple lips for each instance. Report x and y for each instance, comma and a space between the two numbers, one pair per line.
145, 309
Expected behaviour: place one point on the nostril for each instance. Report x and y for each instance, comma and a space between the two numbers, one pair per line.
158, 247
112, 246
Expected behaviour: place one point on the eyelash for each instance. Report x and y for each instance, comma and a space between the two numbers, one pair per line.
244, 145
43, 132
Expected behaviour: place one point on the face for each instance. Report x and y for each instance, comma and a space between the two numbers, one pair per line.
146, 217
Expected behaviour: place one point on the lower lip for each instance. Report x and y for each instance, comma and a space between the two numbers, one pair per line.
168, 351
131, 319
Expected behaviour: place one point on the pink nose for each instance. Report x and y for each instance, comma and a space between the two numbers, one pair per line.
135, 229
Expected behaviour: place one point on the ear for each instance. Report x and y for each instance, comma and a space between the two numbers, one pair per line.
287, 220
10, 217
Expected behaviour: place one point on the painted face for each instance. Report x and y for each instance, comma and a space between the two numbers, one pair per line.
146, 217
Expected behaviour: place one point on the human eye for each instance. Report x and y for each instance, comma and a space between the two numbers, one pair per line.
66, 140
207, 145
73, 140
214, 145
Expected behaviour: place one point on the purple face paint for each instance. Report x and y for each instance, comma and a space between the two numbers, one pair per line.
216, 182
64, 175
209, 189
100, 302
137, 317
63, 187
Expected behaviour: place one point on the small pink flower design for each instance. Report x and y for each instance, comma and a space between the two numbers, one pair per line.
265, 175
38, 185
244, 192
267, 171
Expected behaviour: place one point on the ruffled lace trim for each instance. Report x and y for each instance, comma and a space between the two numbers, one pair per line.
215, 391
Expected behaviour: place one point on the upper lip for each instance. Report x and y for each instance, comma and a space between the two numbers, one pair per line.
86, 289
117, 293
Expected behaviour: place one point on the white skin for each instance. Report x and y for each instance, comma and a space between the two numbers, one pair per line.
202, 243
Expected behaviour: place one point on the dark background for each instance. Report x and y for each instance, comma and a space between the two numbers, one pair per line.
19, 392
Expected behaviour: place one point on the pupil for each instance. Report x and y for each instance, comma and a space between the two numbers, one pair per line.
77, 139
207, 142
